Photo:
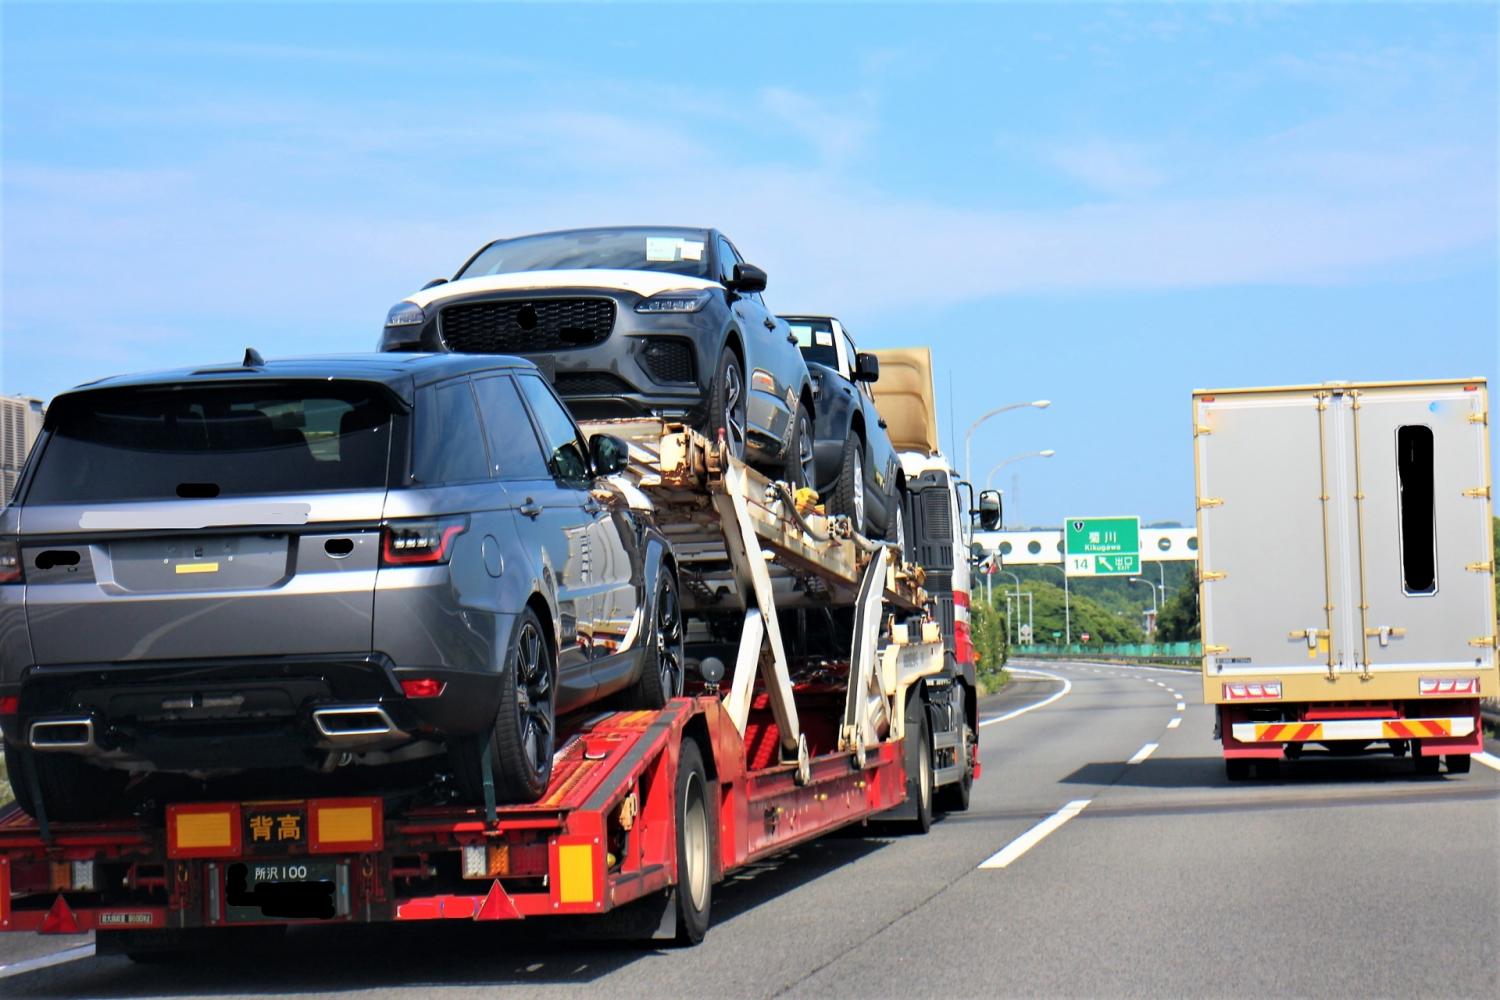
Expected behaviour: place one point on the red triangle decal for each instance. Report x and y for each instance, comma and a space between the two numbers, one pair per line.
60, 919
497, 905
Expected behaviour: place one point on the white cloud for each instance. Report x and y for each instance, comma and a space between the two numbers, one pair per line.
1113, 168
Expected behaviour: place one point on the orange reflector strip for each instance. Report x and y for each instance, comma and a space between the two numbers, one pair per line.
344, 825
203, 831
575, 873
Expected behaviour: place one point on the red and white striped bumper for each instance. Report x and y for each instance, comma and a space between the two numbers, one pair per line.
1352, 729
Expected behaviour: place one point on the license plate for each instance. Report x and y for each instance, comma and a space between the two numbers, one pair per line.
285, 890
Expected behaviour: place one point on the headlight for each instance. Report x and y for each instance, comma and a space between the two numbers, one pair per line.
675, 302
405, 314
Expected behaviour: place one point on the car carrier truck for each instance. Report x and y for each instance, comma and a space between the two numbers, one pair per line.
1346, 568
781, 739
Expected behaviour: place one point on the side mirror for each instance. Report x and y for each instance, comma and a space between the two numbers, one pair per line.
608, 454
748, 279
434, 283
990, 510
866, 368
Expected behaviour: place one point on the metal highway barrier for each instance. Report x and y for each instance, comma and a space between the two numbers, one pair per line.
1183, 653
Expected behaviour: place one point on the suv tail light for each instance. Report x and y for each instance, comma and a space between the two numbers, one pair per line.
10, 560
416, 543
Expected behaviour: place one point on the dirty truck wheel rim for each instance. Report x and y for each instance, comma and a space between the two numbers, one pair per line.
734, 418
669, 641
533, 697
695, 841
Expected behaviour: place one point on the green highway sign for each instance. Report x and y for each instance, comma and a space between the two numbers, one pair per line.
1102, 546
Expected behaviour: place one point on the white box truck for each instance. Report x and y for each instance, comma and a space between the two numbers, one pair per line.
1346, 569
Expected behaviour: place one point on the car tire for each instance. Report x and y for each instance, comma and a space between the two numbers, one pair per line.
728, 403
72, 789
799, 450
663, 664
521, 740
693, 808
849, 492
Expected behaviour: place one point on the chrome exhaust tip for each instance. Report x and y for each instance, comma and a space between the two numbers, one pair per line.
62, 734
353, 722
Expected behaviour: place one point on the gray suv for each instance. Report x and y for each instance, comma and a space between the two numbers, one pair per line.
352, 560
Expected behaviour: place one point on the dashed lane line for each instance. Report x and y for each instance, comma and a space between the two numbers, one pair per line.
46, 961
1487, 759
1143, 753
1175, 721
1026, 841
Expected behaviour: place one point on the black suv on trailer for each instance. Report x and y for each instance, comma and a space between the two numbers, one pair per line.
632, 321
365, 560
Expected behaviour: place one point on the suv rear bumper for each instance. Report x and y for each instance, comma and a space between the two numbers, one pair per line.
243, 714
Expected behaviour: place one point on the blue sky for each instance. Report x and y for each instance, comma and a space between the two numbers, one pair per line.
1106, 206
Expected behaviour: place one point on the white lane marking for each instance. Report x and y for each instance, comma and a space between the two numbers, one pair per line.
1487, 759
1143, 753
1175, 722
1160, 684
1067, 686
1026, 841
46, 961
1181, 707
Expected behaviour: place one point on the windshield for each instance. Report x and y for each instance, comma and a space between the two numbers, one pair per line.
676, 251
815, 337
213, 441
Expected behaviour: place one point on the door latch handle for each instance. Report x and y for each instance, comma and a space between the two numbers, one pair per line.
531, 509
591, 506
881, 422
771, 324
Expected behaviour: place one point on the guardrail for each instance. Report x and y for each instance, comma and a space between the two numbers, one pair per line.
1179, 653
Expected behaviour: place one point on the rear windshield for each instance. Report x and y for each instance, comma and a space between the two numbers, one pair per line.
676, 251
815, 337
209, 441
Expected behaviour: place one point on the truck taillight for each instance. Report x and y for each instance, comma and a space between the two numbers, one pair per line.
412, 543
10, 560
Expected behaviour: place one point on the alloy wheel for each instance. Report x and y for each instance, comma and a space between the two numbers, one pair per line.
534, 697
734, 403
669, 642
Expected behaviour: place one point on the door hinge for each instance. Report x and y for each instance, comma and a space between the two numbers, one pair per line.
1210, 502
1211, 576
1482, 492
1202, 429
1481, 417
1484, 567
1482, 641
1214, 650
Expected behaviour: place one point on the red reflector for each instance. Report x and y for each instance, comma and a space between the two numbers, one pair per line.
10, 704
423, 687
1207, 399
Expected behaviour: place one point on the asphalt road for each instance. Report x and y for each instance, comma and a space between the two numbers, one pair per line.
1075, 873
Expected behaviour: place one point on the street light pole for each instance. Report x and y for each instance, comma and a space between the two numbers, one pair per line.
1067, 602
1040, 404
1044, 453
1154, 609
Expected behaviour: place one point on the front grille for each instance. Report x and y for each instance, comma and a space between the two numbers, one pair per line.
589, 384
523, 326
669, 360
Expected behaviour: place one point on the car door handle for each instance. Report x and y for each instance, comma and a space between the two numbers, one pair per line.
591, 506
531, 509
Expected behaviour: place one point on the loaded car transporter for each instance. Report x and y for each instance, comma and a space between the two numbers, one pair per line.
799, 734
